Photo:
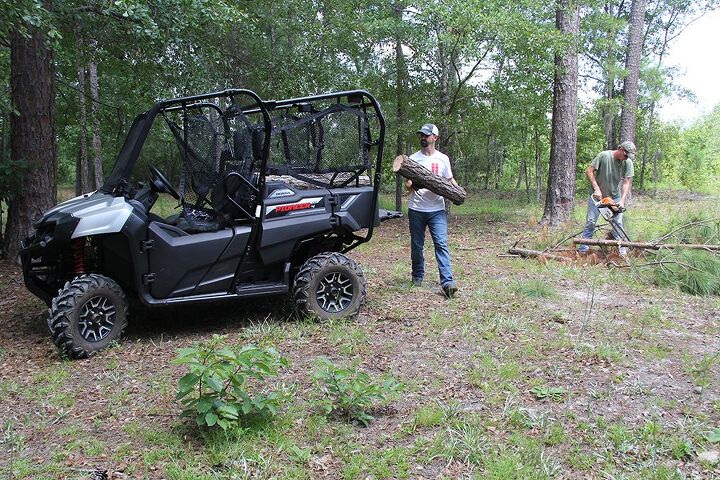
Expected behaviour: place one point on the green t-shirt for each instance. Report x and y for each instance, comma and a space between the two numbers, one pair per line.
610, 172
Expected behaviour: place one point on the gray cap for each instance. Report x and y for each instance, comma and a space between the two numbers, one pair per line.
629, 148
429, 129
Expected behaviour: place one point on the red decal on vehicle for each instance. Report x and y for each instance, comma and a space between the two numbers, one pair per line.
293, 206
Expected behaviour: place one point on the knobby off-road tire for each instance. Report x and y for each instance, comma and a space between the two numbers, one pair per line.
88, 313
329, 286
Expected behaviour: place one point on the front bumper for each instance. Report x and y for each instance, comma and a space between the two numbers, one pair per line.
47, 255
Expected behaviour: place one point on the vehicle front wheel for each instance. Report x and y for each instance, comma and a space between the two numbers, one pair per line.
329, 286
88, 314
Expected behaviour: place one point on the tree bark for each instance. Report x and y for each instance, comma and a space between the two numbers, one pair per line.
656, 172
521, 173
647, 145
96, 143
424, 178
82, 170
445, 61
32, 133
609, 110
488, 160
628, 117
538, 167
560, 197
401, 115
651, 124
499, 168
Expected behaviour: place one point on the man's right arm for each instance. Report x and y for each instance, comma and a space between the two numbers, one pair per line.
590, 172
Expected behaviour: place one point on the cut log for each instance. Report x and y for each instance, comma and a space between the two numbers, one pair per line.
524, 252
421, 177
645, 245
363, 180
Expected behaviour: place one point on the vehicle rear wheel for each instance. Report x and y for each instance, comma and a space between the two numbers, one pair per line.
329, 286
88, 314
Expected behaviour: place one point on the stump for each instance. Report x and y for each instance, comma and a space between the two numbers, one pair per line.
421, 177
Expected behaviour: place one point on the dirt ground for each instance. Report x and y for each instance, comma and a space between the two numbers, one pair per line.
637, 367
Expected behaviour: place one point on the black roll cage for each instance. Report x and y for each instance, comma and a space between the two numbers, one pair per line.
140, 128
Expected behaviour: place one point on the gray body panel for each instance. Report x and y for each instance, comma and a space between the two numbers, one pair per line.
99, 213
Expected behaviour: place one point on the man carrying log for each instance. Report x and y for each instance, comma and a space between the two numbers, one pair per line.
610, 175
426, 210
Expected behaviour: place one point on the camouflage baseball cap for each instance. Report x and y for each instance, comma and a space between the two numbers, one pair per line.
629, 148
428, 129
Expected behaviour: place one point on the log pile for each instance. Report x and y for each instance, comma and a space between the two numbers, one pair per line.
421, 177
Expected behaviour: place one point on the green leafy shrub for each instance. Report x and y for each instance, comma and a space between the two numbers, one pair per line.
549, 393
217, 389
350, 392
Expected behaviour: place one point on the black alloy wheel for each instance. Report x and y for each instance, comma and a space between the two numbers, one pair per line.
329, 286
87, 315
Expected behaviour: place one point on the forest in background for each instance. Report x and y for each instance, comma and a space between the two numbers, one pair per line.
484, 72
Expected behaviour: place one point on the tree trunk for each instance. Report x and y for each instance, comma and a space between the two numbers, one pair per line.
32, 133
646, 146
614, 10
424, 178
82, 170
521, 173
632, 65
656, 172
527, 182
560, 197
651, 123
538, 167
446, 84
488, 161
97, 154
401, 115
499, 169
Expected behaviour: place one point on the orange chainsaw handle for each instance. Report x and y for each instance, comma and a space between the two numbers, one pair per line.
607, 202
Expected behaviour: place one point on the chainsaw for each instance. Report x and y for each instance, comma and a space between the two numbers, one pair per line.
610, 210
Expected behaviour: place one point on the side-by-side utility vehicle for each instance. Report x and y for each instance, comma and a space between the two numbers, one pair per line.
269, 198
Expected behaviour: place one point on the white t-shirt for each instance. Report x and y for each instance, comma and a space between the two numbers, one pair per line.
424, 200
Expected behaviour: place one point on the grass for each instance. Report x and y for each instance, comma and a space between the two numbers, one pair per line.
534, 289
510, 380
699, 369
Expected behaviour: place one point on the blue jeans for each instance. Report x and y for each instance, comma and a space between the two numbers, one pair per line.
437, 223
591, 219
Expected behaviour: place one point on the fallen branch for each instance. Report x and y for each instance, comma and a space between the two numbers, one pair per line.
644, 245
524, 252
563, 241
685, 227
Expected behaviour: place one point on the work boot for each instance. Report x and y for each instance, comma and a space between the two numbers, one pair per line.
450, 289
416, 282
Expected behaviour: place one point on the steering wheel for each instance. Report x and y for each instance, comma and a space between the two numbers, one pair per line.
161, 184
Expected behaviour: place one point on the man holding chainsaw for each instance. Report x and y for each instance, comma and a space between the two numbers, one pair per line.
610, 175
